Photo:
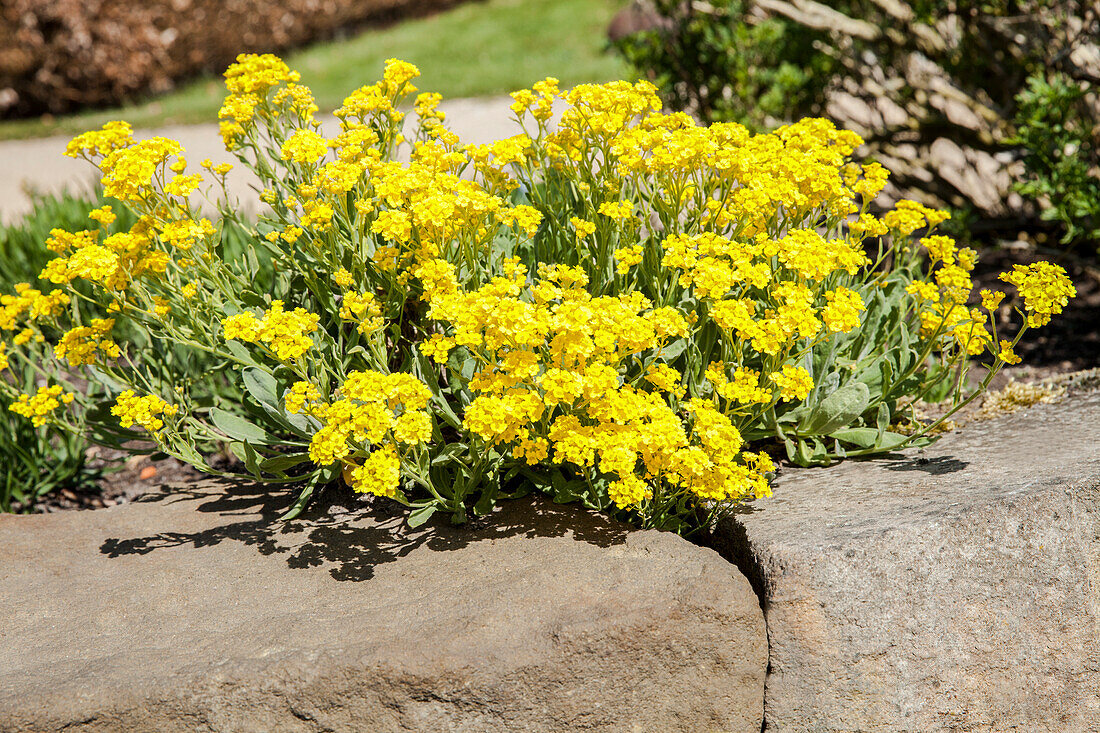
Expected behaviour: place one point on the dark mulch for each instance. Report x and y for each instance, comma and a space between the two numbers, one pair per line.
126, 477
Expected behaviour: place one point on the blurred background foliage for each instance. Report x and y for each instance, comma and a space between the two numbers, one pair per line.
474, 49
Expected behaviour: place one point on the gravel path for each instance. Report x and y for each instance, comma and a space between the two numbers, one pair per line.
40, 164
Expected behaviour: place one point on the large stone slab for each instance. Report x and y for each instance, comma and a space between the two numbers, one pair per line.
955, 589
192, 611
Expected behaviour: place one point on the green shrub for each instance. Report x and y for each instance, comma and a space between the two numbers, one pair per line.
1056, 128
715, 64
22, 254
626, 310
37, 460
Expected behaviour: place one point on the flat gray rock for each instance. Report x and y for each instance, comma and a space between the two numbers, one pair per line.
192, 611
955, 589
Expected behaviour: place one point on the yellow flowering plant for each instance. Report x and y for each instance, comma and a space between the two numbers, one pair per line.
617, 306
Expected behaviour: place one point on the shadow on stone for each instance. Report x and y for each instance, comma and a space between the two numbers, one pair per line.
935, 466
351, 543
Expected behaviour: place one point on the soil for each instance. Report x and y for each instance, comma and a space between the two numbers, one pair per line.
128, 479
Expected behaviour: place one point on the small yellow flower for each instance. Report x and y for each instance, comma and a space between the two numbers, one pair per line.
39, 407
583, 228
794, 383
103, 215
143, 411
991, 299
1006, 354
343, 278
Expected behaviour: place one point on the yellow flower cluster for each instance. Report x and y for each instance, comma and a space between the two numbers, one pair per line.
794, 382
29, 304
554, 379
82, 344
249, 82
121, 258
286, 333
364, 310
39, 407
305, 147
102, 142
129, 170
144, 411
370, 409
1045, 288
622, 296
744, 388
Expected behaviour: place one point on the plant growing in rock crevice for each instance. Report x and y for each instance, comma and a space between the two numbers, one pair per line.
621, 308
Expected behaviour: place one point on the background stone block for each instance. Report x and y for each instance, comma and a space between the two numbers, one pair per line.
954, 589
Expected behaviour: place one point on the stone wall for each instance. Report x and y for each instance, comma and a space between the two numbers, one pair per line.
60, 55
951, 589
193, 609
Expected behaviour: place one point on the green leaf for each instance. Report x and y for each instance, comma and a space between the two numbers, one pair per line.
869, 438
279, 464
872, 375
252, 261
251, 460
795, 416
237, 427
886, 370
237, 349
862, 437
830, 384
673, 350
486, 502
302, 500
792, 450
103, 378
427, 375
906, 354
565, 491
187, 453
448, 453
838, 410
262, 386
882, 420
421, 515
820, 453
803, 456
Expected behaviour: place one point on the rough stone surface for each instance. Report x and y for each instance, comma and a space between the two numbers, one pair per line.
193, 611
955, 589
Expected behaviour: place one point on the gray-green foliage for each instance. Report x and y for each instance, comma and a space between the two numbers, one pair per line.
35, 462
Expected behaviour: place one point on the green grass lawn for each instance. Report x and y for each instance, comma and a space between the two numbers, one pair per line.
479, 48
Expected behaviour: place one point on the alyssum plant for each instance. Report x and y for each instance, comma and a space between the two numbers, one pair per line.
612, 308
